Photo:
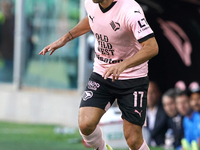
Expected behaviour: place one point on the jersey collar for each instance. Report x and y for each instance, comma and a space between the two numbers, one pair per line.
108, 8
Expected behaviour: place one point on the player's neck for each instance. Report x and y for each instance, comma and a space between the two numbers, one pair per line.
106, 3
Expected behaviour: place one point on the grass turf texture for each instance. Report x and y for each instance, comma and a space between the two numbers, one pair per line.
15, 136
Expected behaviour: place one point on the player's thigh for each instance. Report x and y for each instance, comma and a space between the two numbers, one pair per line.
133, 134
97, 93
89, 116
131, 129
132, 102
133, 105
96, 100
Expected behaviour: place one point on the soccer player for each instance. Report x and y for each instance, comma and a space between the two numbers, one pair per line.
124, 44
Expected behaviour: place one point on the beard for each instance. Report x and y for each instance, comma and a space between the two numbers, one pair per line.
97, 1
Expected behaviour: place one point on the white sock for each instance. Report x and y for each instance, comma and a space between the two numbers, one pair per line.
95, 139
144, 146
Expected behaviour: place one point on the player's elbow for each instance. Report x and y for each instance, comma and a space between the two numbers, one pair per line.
151, 46
155, 49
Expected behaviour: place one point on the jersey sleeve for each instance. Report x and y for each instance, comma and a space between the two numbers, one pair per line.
87, 4
137, 22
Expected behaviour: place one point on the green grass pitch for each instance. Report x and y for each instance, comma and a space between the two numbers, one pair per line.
15, 136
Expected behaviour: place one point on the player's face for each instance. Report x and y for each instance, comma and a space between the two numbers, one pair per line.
97, 1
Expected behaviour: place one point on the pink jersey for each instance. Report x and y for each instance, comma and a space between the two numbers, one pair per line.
119, 30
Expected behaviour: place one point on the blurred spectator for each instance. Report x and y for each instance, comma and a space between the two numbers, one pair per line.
175, 119
194, 91
168, 101
182, 103
7, 41
195, 96
156, 116
191, 118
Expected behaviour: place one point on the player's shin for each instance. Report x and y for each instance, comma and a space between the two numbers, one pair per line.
95, 139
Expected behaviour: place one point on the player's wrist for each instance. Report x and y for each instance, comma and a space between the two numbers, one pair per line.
124, 64
63, 40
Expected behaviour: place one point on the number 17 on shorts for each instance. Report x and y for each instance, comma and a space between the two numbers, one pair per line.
138, 94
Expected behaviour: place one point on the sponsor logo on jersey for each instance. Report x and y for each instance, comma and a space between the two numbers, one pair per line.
108, 61
93, 85
87, 95
115, 25
92, 18
143, 25
104, 47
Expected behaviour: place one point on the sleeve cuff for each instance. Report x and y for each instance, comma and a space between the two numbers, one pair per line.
146, 38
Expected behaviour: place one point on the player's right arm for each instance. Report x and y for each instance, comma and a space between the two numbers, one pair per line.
81, 28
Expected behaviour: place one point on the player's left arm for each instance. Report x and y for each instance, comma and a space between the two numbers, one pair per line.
149, 49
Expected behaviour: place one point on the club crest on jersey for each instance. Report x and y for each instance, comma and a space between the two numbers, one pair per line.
87, 95
115, 25
93, 85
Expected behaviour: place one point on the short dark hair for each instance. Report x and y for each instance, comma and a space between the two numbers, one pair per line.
171, 93
180, 93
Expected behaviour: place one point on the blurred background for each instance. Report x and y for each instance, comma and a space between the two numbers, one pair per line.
40, 95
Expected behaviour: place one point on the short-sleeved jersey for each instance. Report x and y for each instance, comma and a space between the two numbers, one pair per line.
119, 30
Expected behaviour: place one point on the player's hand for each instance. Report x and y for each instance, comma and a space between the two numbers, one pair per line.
52, 47
115, 71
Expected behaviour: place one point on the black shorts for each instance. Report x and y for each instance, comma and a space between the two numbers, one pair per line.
131, 96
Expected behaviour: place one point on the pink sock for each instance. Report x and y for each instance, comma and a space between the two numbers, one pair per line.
95, 139
144, 146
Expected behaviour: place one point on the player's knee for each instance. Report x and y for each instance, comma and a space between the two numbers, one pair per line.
86, 127
89, 118
134, 142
